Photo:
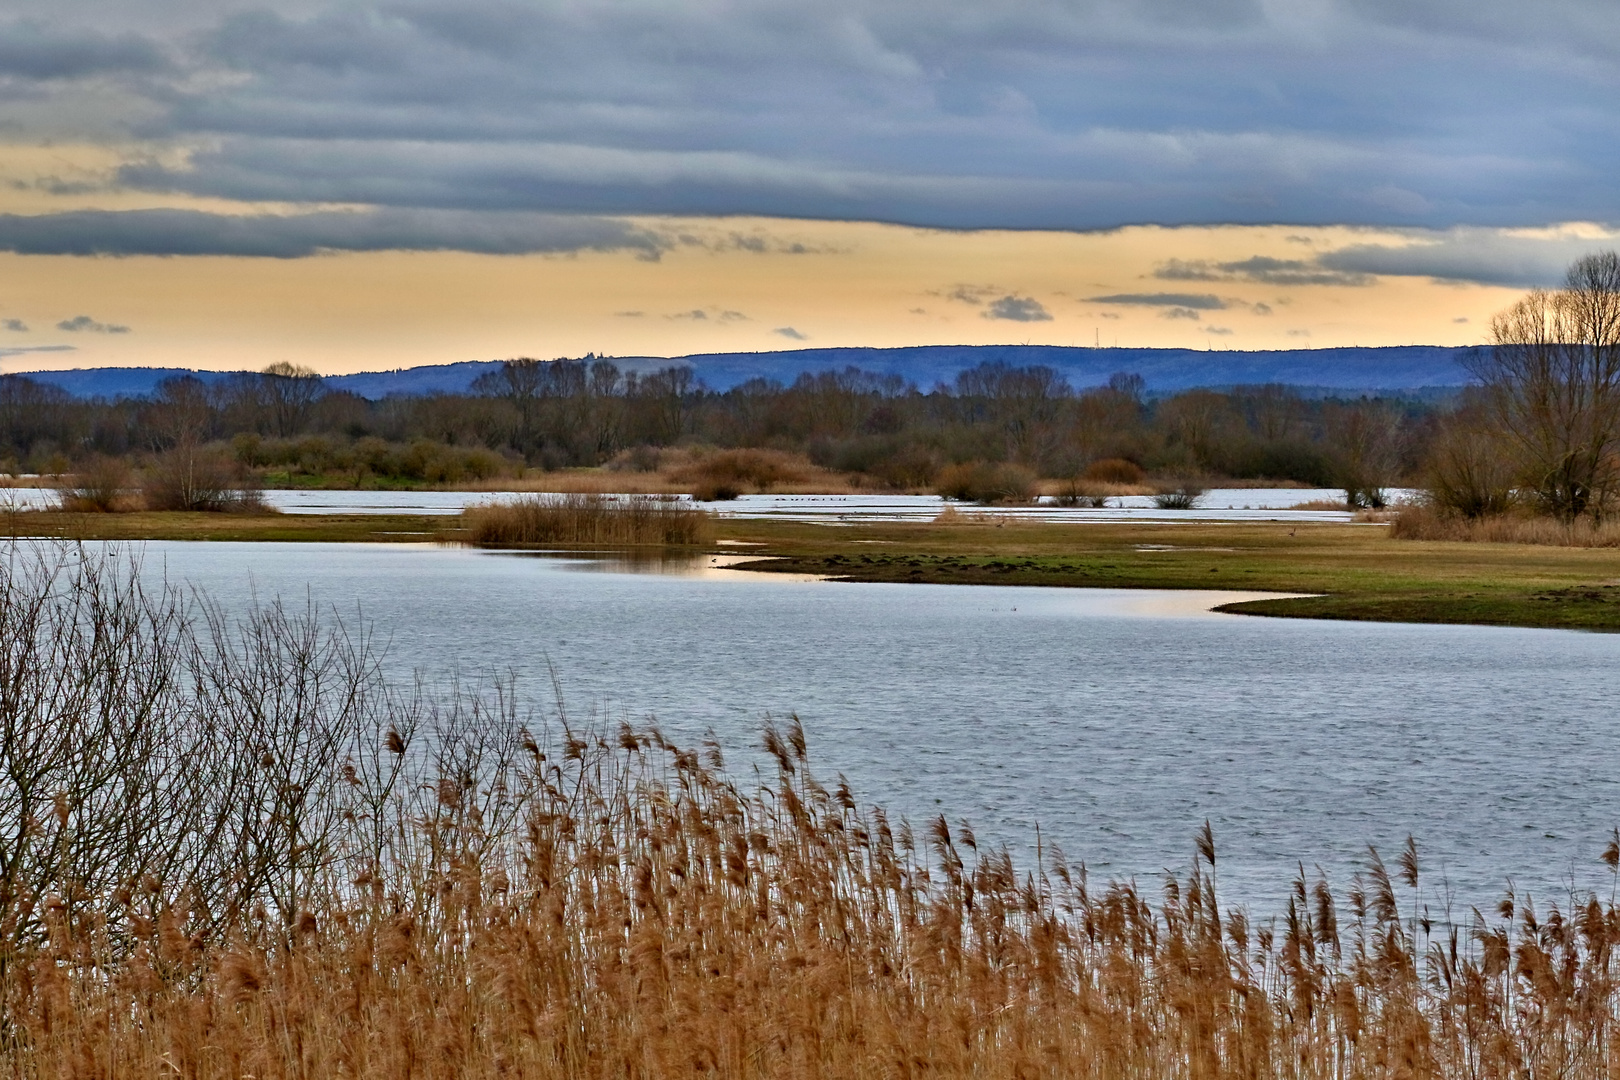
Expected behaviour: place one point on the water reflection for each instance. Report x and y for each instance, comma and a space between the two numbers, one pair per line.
663, 563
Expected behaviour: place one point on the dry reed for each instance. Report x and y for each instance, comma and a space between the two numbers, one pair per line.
590, 521
1419, 522
494, 898
614, 906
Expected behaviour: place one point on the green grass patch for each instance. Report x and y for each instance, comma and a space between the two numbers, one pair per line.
1359, 571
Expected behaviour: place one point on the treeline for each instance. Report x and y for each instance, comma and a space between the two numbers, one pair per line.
586, 412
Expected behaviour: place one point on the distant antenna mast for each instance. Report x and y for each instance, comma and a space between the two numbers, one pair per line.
1096, 338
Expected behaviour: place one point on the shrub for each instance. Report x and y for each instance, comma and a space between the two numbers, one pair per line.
735, 471
985, 482
100, 485
643, 459
1183, 497
1469, 472
1114, 471
715, 491
190, 478
588, 520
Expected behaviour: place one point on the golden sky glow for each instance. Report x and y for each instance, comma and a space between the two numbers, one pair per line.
725, 285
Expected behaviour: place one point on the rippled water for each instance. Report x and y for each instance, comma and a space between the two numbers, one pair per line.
1117, 721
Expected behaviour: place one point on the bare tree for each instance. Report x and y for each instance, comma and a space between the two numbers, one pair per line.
1552, 382
289, 391
1364, 442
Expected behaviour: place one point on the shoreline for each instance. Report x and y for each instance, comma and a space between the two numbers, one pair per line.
1314, 570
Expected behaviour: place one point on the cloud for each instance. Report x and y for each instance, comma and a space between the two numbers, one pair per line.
716, 314
1260, 268
1482, 256
970, 294
1261, 308
33, 50
1017, 309
23, 350
16, 326
1196, 301
790, 333
86, 324
1181, 313
194, 232
1219, 331
1087, 114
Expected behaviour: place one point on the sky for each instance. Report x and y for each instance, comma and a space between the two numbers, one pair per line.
363, 185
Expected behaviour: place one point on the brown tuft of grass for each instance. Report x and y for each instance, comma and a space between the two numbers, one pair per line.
1421, 522
588, 520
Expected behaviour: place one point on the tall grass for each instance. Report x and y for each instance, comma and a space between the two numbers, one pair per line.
588, 520
459, 893
1421, 522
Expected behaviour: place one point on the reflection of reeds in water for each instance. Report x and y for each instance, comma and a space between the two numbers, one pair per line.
454, 894
588, 520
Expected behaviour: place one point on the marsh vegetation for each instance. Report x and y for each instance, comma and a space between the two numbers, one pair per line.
589, 521
232, 847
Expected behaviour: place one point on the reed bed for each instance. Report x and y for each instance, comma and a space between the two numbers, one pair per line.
1419, 522
589, 520
463, 891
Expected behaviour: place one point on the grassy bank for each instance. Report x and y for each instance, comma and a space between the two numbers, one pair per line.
211, 879
1361, 571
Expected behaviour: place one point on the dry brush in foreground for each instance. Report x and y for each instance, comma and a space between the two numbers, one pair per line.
291, 870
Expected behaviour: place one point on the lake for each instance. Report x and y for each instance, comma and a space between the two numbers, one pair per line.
1116, 720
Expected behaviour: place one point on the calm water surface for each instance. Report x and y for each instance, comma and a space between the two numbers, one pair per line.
1116, 720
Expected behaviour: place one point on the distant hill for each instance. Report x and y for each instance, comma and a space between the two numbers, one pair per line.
1405, 368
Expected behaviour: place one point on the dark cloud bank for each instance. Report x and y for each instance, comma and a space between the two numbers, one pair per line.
1425, 114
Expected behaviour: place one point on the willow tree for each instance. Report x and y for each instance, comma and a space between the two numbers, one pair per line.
1552, 385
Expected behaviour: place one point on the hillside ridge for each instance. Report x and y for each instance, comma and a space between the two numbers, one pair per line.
1355, 369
